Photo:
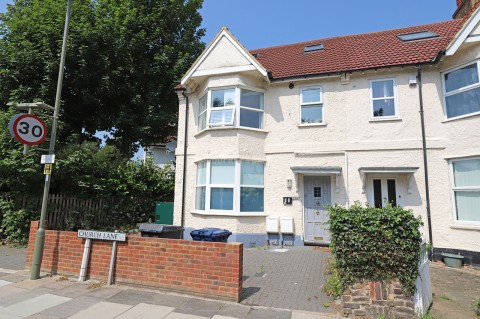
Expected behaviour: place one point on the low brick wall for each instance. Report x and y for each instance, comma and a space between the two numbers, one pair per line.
374, 299
203, 268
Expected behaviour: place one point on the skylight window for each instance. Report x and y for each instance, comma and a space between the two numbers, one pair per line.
313, 47
417, 36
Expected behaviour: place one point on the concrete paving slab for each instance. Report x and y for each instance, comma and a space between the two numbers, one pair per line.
146, 311
169, 300
103, 310
8, 316
58, 284
233, 310
22, 296
103, 292
9, 290
29, 284
268, 314
5, 283
199, 307
34, 305
176, 315
41, 316
222, 317
311, 315
72, 291
16, 277
132, 297
71, 307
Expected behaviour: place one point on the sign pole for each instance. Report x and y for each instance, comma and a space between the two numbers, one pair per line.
40, 237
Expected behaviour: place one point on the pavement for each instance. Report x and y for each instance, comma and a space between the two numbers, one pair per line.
61, 297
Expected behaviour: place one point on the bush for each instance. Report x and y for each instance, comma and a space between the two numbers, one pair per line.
476, 307
16, 223
376, 244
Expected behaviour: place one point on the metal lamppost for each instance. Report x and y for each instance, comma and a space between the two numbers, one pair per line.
40, 237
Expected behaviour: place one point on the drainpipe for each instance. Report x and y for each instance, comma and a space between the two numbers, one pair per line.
185, 140
425, 163
347, 196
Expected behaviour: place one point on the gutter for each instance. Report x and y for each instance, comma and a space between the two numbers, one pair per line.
185, 142
425, 162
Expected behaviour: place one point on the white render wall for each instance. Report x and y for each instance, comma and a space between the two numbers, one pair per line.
349, 129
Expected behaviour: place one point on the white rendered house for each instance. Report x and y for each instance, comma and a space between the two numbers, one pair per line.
285, 131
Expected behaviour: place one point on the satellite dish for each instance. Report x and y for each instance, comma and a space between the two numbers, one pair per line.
171, 146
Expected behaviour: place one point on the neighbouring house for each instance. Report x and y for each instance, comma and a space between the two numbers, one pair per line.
284, 131
162, 154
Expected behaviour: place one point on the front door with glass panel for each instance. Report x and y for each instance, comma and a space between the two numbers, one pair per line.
317, 197
384, 190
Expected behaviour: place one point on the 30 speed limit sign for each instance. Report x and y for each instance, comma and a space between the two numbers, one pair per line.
28, 129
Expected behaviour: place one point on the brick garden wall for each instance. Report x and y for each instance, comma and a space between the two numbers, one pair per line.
374, 299
204, 268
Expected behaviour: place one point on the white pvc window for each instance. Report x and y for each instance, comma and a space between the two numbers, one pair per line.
462, 91
230, 186
222, 107
311, 109
383, 99
231, 107
202, 112
466, 189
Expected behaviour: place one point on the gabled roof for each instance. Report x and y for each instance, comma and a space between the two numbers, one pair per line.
357, 52
224, 33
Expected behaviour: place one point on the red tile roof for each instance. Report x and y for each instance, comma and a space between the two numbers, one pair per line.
357, 52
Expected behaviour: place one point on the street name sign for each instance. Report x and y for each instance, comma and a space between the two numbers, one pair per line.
102, 235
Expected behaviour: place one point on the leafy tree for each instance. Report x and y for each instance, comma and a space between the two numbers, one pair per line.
123, 59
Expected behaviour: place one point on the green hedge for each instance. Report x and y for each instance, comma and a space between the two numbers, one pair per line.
376, 244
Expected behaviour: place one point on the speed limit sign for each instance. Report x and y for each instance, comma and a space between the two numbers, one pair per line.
28, 129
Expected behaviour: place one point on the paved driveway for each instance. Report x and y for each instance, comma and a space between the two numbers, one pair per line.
12, 258
290, 278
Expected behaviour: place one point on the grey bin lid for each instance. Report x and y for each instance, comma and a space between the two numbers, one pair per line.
158, 228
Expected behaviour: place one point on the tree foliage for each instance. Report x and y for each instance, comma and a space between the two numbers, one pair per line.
376, 244
123, 59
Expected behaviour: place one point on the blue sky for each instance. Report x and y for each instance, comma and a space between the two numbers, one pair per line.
263, 23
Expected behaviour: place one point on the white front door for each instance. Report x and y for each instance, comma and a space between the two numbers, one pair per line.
384, 190
317, 196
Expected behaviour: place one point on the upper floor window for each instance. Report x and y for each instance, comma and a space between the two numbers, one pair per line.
311, 108
466, 189
230, 186
231, 107
383, 96
462, 91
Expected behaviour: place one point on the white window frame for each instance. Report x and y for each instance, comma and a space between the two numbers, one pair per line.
394, 98
460, 90
210, 108
462, 188
200, 113
237, 108
399, 188
236, 190
320, 102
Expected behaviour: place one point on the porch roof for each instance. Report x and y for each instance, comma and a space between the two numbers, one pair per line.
316, 169
398, 170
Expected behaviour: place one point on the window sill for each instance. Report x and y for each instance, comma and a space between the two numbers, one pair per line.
207, 213
466, 226
461, 117
230, 128
387, 119
312, 125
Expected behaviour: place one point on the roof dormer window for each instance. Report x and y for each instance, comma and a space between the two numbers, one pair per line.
313, 47
422, 35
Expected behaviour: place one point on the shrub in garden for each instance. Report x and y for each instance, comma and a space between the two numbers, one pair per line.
376, 244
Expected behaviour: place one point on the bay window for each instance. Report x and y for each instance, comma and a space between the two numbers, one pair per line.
466, 189
462, 91
230, 186
231, 107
